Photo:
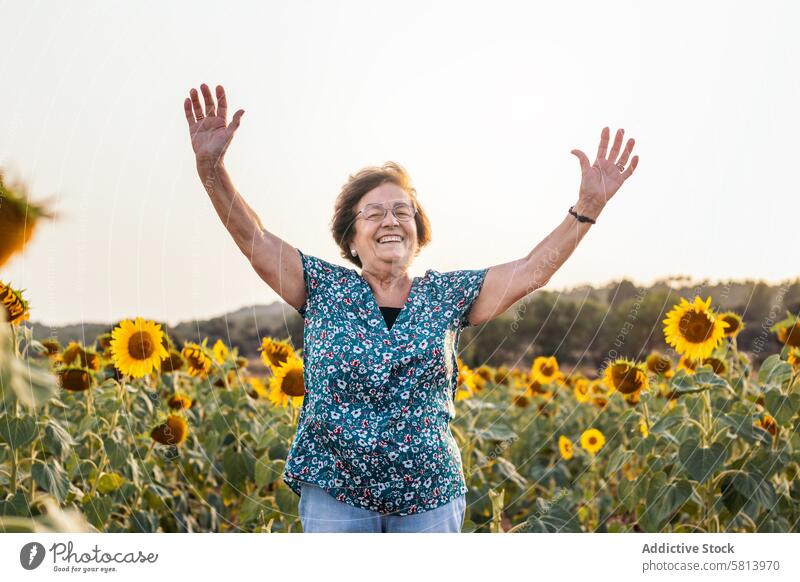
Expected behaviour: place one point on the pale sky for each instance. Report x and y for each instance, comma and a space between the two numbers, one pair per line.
481, 102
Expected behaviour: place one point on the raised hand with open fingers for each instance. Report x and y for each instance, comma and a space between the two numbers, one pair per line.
209, 129
601, 180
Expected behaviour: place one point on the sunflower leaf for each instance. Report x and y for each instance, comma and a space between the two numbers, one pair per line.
700, 462
617, 459
780, 406
117, 453
57, 440
507, 469
628, 493
17, 431
742, 425
704, 377
675, 416
496, 433
774, 371
97, 509
264, 471
51, 477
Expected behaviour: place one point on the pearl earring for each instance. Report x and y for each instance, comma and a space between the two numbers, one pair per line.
353, 252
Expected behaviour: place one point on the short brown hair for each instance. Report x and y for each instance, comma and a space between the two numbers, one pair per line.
356, 188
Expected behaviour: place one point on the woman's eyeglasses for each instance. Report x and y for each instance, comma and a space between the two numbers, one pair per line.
375, 212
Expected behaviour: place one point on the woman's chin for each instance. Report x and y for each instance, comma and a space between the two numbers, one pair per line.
393, 254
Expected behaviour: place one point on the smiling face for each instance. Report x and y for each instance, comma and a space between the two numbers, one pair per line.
388, 242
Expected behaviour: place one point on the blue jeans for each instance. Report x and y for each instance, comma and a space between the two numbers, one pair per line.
320, 512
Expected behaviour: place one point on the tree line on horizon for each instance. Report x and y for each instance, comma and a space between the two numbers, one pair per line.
581, 326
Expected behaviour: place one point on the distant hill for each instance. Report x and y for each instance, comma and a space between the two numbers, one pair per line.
245, 328
581, 326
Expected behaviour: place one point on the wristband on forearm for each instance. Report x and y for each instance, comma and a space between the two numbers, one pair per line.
580, 217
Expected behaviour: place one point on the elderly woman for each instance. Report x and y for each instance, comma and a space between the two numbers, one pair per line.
373, 450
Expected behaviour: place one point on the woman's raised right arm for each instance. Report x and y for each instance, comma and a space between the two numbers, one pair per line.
275, 261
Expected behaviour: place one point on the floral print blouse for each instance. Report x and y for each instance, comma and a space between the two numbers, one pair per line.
374, 428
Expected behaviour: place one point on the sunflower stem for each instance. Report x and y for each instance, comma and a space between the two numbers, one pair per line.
709, 486
592, 494
33, 481
14, 462
791, 382
14, 339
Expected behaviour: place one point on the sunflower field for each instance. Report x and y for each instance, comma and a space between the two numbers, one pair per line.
133, 433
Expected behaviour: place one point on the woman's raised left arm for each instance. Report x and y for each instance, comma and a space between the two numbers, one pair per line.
507, 283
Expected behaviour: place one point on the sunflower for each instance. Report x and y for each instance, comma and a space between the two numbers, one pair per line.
76, 354
565, 447
719, 366
171, 432
599, 393
485, 372
478, 381
179, 402
231, 378
693, 328
136, 347
221, 351
466, 383
197, 358
545, 370
643, 428
257, 388
53, 347
789, 333
18, 218
501, 376
287, 382
173, 362
242, 362
626, 376
104, 341
274, 353
581, 390
633, 398
793, 357
592, 440
521, 401
463, 392
768, 424
687, 364
16, 307
658, 363
734, 321
75, 378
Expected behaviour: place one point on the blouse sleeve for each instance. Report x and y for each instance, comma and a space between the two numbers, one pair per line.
462, 289
317, 276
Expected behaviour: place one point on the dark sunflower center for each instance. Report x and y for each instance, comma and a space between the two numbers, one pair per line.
196, 361
733, 325
793, 335
696, 327
688, 363
592, 440
278, 356
547, 370
293, 383
660, 365
140, 345
626, 379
